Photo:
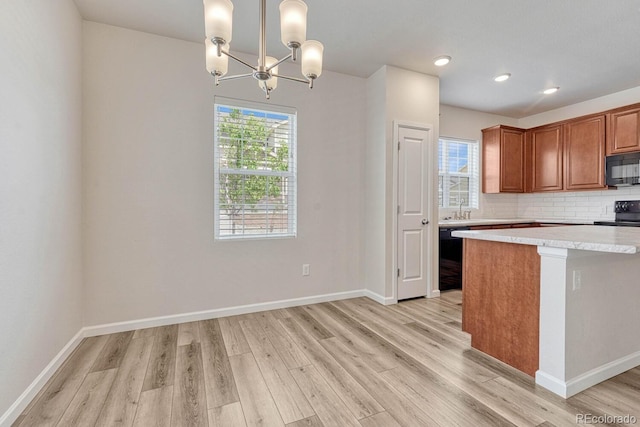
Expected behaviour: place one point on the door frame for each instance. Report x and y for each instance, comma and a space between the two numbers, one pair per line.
432, 228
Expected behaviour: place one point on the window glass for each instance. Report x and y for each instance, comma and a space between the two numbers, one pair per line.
255, 170
458, 173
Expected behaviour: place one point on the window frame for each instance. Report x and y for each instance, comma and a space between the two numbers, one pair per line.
290, 175
473, 201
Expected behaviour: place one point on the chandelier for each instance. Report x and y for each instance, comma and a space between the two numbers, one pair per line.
218, 17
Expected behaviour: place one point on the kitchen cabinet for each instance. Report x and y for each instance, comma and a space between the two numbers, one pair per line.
562, 156
503, 159
569, 155
623, 130
584, 152
546, 157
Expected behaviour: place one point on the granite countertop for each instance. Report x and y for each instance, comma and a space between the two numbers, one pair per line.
624, 240
494, 221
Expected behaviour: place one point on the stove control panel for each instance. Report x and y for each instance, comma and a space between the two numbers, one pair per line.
631, 206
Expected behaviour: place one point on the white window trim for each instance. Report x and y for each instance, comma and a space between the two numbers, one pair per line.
290, 175
473, 174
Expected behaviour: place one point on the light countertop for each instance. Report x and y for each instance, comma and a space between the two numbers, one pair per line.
599, 238
495, 221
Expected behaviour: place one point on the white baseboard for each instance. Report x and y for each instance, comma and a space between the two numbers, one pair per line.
30, 393
379, 298
588, 379
435, 293
34, 388
551, 383
151, 322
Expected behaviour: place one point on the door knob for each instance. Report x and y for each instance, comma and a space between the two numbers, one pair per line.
425, 221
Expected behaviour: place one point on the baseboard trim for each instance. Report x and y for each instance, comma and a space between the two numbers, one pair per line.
435, 293
551, 383
602, 373
34, 388
151, 322
588, 379
379, 298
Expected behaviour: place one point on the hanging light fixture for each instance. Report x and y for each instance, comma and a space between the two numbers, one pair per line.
218, 19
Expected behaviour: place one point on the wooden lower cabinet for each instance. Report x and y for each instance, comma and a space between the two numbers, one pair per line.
502, 226
501, 301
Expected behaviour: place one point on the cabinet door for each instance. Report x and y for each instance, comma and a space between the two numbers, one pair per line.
624, 131
546, 157
491, 160
512, 161
503, 160
584, 153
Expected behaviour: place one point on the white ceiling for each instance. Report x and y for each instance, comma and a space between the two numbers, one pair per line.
588, 48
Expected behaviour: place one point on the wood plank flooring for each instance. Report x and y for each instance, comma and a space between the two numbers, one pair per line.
347, 363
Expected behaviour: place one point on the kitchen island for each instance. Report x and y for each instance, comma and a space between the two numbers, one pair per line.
559, 303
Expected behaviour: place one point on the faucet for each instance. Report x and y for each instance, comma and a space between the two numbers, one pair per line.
460, 216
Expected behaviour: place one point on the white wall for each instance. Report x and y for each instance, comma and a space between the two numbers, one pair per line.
392, 94
40, 187
148, 192
375, 160
468, 124
596, 105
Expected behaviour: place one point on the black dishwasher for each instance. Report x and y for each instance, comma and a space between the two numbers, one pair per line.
450, 259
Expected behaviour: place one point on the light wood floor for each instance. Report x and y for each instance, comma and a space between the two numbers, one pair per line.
347, 363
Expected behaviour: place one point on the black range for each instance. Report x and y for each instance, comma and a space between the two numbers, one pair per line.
627, 214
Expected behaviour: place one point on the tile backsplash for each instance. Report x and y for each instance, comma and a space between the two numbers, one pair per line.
588, 205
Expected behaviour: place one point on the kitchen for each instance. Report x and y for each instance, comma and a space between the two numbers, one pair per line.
533, 284
109, 201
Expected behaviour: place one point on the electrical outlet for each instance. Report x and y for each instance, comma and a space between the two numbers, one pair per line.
577, 279
305, 269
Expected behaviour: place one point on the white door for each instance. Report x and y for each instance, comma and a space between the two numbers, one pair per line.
413, 211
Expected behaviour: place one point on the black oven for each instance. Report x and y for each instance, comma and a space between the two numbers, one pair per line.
623, 169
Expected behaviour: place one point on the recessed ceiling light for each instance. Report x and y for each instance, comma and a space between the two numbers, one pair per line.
503, 77
442, 60
550, 90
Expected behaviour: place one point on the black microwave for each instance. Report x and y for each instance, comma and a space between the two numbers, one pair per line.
623, 169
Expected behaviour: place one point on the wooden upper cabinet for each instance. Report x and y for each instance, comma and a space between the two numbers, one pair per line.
546, 158
584, 152
503, 157
624, 130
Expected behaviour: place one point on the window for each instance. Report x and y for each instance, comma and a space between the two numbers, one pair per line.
458, 173
255, 170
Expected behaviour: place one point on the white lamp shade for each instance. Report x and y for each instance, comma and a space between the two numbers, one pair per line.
312, 58
216, 64
272, 83
293, 22
218, 19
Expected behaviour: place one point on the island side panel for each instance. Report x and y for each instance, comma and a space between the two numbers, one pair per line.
501, 301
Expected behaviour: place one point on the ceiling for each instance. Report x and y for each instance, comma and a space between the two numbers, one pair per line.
589, 48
